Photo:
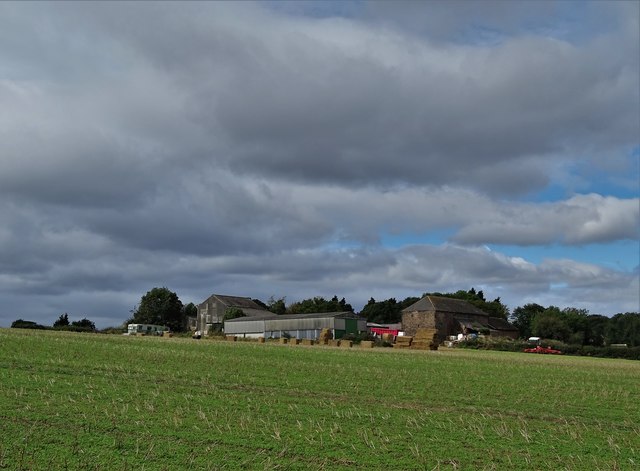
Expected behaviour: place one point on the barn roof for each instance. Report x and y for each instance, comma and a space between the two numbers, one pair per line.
236, 301
472, 325
313, 315
500, 324
439, 303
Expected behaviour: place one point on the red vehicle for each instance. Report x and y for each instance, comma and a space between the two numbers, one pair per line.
544, 350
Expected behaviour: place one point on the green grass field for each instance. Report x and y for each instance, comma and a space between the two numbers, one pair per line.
82, 401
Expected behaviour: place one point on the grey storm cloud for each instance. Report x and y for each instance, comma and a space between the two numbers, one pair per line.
335, 100
233, 146
410, 271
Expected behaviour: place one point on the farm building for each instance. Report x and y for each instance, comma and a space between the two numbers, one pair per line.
211, 310
301, 326
452, 317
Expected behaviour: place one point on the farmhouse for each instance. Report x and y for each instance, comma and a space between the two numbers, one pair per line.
451, 317
211, 310
301, 326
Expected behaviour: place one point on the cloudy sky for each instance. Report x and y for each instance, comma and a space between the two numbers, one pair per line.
311, 149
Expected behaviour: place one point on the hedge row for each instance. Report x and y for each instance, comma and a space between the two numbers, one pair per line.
630, 353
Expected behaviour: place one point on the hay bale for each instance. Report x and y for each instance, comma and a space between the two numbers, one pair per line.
307, 342
231, 338
346, 343
366, 344
283, 340
333, 343
425, 339
325, 335
387, 338
403, 341
260, 339
426, 334
294, 341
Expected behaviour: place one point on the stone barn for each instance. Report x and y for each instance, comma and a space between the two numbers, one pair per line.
452, 317
211, 310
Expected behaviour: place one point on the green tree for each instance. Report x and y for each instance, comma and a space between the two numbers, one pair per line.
388, 311
277, 306
576, 320
319, 304
316, 304
84, 324
624, 328
160, 306
20, 324
342, 305
494, 308
596, 330
382, 312
232, 313
523, 316
188, 310
62, 321
259, 303
551, 324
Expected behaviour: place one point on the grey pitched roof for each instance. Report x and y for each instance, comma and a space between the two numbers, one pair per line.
439, 303
268, 316
472, 325
237, 301
500, 324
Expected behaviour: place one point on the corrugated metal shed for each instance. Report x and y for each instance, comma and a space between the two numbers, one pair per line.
307, 323
297, 325
248, 326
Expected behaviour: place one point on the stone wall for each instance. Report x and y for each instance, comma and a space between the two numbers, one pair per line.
446, 325
412, 321
443, 322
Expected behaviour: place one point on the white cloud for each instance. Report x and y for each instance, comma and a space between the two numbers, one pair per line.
473, 218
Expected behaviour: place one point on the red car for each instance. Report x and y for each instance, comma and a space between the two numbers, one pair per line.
540, 349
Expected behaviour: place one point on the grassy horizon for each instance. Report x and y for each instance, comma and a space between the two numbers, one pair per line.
83, 401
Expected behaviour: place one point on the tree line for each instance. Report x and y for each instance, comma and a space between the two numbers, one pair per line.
569, 325
576, 326
162, 306
63, 323
389, 311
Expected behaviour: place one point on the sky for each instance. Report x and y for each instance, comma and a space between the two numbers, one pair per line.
300, 149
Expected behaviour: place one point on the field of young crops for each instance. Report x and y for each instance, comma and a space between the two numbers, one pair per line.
83, 401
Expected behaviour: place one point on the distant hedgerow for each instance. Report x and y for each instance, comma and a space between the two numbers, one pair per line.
20, 324
508, 345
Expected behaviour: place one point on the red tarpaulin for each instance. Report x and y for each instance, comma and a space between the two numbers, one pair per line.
380, 331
